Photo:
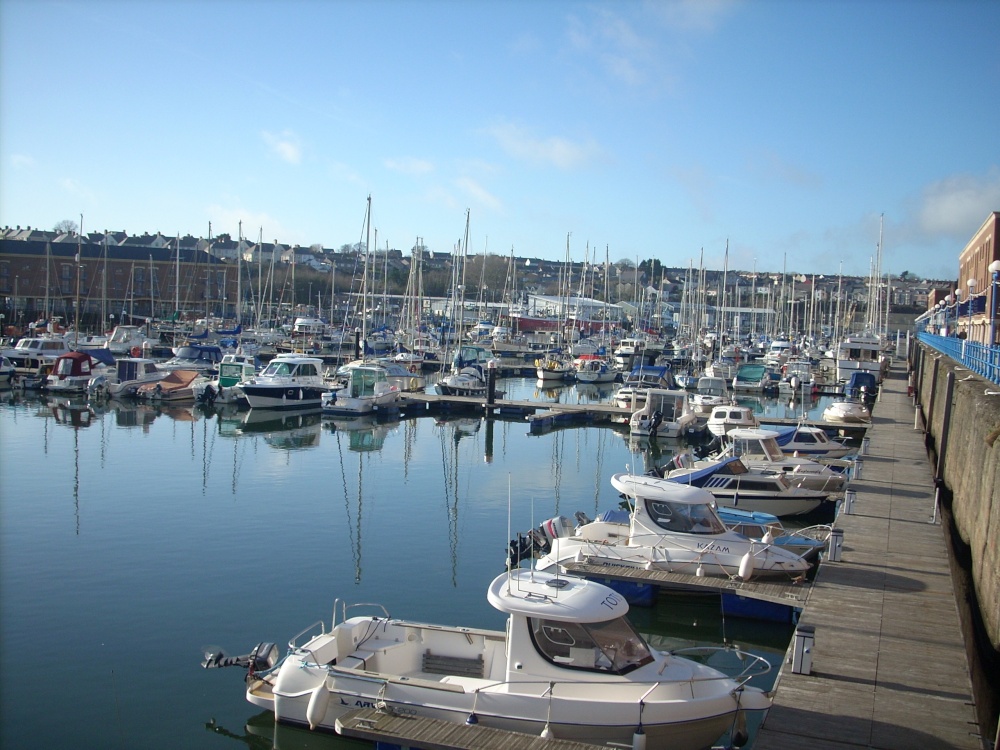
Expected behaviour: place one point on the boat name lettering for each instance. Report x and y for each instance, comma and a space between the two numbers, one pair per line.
400, 710
712, 547
611, 601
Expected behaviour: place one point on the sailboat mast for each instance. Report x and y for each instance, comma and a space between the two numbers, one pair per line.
79, 255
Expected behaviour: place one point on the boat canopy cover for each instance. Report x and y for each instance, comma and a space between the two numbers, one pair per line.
698, 476
614, 516
533, 593
654, 488
784, 435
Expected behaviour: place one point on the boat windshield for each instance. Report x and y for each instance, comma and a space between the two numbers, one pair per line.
277, 368
610, 646
696, 518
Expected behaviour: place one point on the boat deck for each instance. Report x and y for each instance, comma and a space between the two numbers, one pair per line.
889, 665
435, 734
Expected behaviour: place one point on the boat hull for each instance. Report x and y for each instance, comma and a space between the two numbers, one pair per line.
282, 397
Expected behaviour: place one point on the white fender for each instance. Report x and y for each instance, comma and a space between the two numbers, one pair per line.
746, 566
319, 701
768, 537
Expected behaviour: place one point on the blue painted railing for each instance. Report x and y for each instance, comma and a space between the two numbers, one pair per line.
981, 359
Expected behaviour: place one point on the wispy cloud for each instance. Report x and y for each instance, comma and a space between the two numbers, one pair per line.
957, 205
285, 145
21, 161
409, 165
609, 38
556, 151
77, 188
692, 15
479, 193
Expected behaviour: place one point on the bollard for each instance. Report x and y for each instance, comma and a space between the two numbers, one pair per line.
849, 497
865, 441
836, 545
802, 646
859, 464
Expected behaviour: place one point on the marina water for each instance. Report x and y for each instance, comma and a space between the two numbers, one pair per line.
135, 538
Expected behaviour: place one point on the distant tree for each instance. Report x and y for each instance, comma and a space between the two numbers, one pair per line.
66, 225
904, 275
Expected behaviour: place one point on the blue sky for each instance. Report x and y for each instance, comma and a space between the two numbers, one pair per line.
659, 129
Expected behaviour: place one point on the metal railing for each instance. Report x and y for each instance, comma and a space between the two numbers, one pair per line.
981, 359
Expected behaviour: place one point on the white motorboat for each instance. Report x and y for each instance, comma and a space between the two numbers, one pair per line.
177, 385
808, 543
128, 375
863, 352
72, 372
671, 527
725, 419
227, 386
367, 391
811, 441
204, 358
796, 377
666, 413
6, 372
290, 381
569, 665
848, 411
404, 377
711, 392
641, 379
129, 339
758, 450
734, 485
32, 356
751, 377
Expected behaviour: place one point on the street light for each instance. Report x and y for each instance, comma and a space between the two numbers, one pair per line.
994, 269
971, 283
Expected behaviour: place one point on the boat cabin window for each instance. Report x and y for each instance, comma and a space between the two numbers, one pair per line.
65, 367
805, 437
277, 368
688, 518
610, 646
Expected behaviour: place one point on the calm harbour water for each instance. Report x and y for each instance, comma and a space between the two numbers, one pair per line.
133, 538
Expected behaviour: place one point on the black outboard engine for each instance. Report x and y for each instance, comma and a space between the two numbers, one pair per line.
208, 396
262, 657
655, 420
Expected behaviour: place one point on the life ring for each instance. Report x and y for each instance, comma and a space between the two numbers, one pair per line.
136, 351
538, 363
414, 384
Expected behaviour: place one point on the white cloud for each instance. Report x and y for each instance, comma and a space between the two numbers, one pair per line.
409, 165
556, 151
21, 161
959, 204
692, 15
479, 193
75, 187
285, 145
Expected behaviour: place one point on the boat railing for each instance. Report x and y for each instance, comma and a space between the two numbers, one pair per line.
341, 606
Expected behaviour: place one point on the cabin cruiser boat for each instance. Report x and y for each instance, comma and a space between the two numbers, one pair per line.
807, 543
666, 413
592, 371
725, 419
129, 340
405, 378
734, 485
634, 352
290, 381
125, 379
177, 385
203, 358
796, 376
778, 352
758, 450
711, 392
751, 377
810, 441
670, 527
722, 368
569, 665
367, 391
862, 352
847, 411
6, 372
31, 355
227, 386
468, 376
642, 378
72, 372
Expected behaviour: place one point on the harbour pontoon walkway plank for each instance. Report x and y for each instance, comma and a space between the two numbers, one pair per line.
436, 734
889, 666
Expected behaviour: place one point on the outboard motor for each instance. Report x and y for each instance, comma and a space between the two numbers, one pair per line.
537, 541
655, 421
97, 387
262, 657
208, 395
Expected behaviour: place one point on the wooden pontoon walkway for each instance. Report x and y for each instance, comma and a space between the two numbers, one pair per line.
889, 666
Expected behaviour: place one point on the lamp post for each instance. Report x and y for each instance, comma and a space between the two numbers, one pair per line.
994, 269
971, 283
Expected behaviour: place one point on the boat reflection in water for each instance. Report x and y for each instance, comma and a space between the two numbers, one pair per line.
286, 430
